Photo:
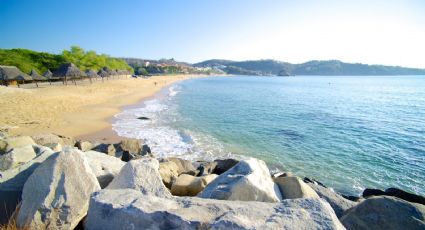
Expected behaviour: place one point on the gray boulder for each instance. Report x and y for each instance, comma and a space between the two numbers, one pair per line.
385, 213
131, 209
188, 185
46, 139
84, 145
104, 167
12, 182
9, 143
142, 175
184, 166
249, 180
56, 195
169, 172
293, 188
16, 157
205, 167
223, 165
337, 202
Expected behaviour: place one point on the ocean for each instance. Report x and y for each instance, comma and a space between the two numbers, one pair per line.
349, 133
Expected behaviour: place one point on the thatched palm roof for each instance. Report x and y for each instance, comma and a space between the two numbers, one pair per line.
113, 72
68, 70
102, 73
48, 74
91, 73
13, 73
36, 76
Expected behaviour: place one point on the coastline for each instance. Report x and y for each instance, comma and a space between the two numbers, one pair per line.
107, 134
82, 111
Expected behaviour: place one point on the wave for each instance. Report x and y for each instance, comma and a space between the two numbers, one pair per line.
159, 133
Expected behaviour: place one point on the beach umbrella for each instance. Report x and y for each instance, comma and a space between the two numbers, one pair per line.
12, 74
48, 75
91, 74
36, 77
68, 71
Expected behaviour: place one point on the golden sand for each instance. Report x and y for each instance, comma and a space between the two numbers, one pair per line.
74, 110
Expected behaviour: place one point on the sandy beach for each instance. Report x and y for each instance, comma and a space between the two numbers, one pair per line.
76, 111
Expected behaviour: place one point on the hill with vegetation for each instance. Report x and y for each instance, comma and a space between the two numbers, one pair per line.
167, 66
332, 67
26, 60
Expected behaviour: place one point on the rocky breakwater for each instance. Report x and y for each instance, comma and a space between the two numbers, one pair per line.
58, 183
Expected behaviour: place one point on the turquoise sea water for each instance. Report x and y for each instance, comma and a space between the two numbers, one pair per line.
347, 132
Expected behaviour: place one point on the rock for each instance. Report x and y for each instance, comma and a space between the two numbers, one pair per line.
185, 166
224, 165
405, 195
131, 145
15, 142
396, 193
106, 148
132, 149
84, 145
46, 139
126, 156
56, 147
16, 156
63, 185
337, 202
104, 167
205, 167
282, 174
386, 213
187, 185
249, 180
142, 175
143, 118
130, 209
12, 182
308, 180
146, 150
294, 187
372, 192
169, 172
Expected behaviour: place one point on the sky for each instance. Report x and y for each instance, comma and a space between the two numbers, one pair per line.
390, 32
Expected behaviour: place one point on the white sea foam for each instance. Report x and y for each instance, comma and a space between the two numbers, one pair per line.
158, 133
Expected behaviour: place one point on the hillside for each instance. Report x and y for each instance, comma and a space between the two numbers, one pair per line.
332, 67
26, 60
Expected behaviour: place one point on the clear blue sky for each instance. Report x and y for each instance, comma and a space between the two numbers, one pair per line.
373, 32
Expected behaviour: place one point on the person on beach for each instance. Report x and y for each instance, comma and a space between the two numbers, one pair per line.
154, 83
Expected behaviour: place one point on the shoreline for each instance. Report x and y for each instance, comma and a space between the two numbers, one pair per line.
82, 111
107, 134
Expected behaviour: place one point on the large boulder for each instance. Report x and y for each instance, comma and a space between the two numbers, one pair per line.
222, 165
47, 139
293, 188
184, 166
188, 185
249, 180
104, 167
386, 213
130, 149
130, 209
169, 172
142, 175
56, 195
16, 157
337, 202
12, 182
84, 145
407, 196
109, 149
9, 143
205, 167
